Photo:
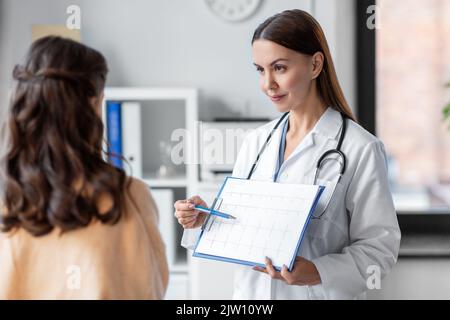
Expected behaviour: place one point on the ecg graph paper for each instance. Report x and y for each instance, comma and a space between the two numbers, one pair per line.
271, 219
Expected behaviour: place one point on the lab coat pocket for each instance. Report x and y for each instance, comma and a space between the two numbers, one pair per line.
325, 198
317, 228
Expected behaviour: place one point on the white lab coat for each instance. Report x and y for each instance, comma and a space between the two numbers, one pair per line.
357, 234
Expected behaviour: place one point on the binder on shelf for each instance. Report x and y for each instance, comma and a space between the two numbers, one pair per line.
114, 132
131, 138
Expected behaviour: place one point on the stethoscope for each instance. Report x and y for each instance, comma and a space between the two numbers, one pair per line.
322, 160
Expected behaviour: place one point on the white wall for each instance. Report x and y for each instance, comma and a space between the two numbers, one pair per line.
338, 20
173, 43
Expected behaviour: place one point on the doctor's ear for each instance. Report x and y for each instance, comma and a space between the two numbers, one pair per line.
317, 64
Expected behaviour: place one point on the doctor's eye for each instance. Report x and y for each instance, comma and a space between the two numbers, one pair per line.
279, 67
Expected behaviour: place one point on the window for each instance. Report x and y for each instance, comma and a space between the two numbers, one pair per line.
412, 59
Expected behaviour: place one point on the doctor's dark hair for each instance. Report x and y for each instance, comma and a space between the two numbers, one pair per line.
56, 175
299, 31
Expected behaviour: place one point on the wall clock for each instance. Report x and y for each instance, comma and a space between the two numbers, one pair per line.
233, 10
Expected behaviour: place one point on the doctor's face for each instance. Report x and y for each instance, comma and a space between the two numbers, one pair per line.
286, 76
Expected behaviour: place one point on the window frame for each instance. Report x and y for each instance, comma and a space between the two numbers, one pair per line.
366, 79
365, 68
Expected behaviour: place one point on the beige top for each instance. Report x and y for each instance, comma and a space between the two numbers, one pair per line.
122, 261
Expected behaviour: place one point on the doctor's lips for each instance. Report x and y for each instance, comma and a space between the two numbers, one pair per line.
277, 98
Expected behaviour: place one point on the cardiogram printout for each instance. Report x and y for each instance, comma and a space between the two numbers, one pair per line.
271, 219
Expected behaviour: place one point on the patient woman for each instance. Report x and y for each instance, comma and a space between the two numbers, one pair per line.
72, 225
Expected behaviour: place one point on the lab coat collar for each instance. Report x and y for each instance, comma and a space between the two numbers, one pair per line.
329, 124
327, 127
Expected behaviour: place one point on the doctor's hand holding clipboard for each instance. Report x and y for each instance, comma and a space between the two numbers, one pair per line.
353, 234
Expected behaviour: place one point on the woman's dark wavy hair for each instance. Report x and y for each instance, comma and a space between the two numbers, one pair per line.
55, 170
299, 31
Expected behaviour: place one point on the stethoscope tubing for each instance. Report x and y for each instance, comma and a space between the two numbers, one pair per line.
321, 160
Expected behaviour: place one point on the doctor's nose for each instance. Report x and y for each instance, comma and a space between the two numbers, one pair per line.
269, 83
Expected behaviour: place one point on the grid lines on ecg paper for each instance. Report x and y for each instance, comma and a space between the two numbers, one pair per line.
244, 194
274, 199
271, 220
238, 242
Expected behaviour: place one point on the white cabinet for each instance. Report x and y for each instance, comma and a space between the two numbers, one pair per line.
416, 278
178, 288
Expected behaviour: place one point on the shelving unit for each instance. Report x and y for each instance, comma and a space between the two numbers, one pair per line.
162, 111
179, 182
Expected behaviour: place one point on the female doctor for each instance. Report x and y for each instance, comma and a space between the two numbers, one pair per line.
353, 235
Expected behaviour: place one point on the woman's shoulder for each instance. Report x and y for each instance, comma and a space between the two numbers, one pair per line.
362, 145
138, 186
140, 196
138, 221
359, 137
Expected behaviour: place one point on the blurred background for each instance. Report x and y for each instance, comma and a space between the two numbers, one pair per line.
187, 65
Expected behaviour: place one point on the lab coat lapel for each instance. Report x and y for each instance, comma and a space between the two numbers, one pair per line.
325, 136
329, 124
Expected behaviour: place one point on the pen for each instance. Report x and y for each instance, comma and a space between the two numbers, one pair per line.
214, 212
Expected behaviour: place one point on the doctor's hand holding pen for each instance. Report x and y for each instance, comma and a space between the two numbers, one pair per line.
187, 215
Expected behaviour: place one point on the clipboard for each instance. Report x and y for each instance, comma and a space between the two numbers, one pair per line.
272, 219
